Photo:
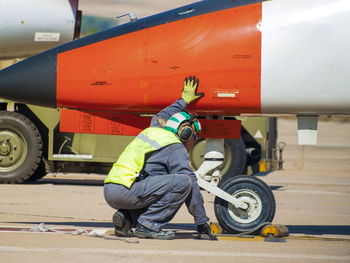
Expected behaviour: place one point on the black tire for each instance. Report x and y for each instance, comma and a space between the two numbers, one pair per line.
238, 157
39, 173
258, 196
20, 148
235, 157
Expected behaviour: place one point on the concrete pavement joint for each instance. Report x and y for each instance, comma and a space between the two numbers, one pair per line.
283, 239
174, 253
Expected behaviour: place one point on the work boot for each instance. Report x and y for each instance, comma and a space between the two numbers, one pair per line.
122, 224
206, 229
144, 232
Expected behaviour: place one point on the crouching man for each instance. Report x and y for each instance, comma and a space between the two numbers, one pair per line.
152, 178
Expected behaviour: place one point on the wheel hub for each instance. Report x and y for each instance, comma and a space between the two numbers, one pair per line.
253, 210
12, 150
5, 148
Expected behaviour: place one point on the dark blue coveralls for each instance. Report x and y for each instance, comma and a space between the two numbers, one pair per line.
154, 201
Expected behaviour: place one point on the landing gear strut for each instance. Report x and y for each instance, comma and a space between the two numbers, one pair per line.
242, 203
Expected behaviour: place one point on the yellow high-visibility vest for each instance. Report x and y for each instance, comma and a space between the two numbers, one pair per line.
130, 163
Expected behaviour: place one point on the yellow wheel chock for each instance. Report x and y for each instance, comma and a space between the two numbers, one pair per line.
275, 231
269, 230
216, 228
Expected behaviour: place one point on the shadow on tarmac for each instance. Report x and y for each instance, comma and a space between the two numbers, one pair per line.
65, 181
107, 225
293, 229
183, 231
319, 230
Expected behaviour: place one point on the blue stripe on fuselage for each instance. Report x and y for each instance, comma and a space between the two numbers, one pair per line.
191, 10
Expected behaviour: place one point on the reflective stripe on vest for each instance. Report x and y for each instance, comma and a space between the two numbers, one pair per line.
131, 161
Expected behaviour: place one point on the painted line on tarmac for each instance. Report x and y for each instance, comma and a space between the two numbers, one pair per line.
195, 253
282, 239
248, 239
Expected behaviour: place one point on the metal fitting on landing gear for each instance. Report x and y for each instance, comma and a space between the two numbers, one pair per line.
280, 161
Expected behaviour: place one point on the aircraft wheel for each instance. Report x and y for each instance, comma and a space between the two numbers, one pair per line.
20, 147
235, 157
252, 191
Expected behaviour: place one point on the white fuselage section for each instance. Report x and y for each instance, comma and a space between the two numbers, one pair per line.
305, 57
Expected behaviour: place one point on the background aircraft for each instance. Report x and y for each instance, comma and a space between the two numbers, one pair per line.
30, 27
24, 34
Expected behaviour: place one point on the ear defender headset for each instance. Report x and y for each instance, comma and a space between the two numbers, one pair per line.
184, 125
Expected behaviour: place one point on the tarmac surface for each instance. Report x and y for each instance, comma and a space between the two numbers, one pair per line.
312, 195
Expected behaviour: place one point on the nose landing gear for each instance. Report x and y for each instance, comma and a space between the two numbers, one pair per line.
261, 205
